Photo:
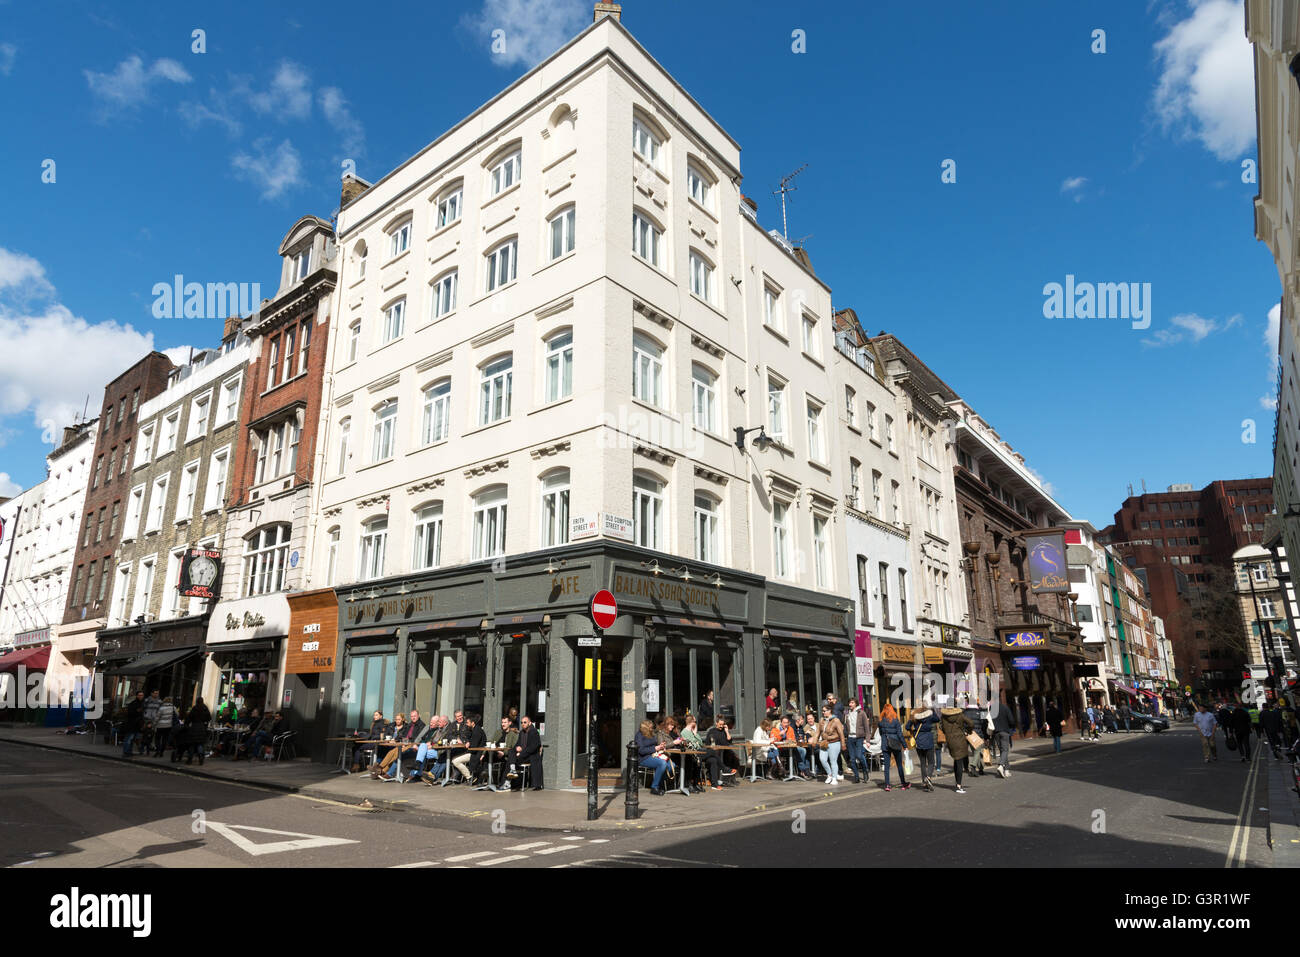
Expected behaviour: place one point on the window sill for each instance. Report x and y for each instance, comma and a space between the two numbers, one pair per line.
820, 466
894, 454
701, 207
650, 405
484, 428
435, 320
497, 196
556, 261
551, 405
492, 292
197, 438
708, 305
422, 448
853, 428
777, 332
281, 384
813, 359
398, 258
445, 227
374, 465
651, 266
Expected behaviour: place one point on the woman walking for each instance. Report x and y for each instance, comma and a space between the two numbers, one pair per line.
955, 727
891, 744
923, 725
195, 733
163, 727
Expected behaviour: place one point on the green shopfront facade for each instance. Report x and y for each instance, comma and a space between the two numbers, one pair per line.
484, 639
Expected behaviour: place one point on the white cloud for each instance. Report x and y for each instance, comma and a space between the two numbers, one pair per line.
1189, 327
196, 114
8, 487
1207, 80
1272, 343
289, 94
335, 107
1072, 183
531, 31
129, 83
271, 170
8, 52
54, 391
22, 273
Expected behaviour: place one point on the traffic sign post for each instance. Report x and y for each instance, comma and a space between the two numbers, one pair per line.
604, 612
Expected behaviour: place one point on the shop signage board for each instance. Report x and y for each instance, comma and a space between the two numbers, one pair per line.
866, 672
932, 656
1026, 663
1025, 639
582, 527
200, 573
313, 632
37, 636
897, 654
1048, 573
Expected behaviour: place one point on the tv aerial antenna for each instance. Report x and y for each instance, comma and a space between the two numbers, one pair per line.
787, 186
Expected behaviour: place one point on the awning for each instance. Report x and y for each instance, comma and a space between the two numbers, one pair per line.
153, 661
1122, 688
1149, 694
33, 659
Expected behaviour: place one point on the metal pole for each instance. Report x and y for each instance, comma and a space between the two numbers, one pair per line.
631, 804
591, 735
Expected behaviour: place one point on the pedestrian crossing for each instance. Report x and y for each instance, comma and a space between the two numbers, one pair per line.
512, 853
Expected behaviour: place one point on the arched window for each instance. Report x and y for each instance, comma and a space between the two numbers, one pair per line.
701, 276
374, 542
428, 537
704, 398
561, 232
332, 555
559, 365
647, 511
381, 447
647, 236
495, 387
647, 369
266, 556
555, 508
449, 205
489, 532
359, 253
345, 443
442, 294
395, 320
502, 263
437, 413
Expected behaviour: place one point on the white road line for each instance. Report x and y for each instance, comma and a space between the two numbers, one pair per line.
600, 840
418, 864
556, 850
1237, 830
528, 847
502, 860
469, 857
574, 839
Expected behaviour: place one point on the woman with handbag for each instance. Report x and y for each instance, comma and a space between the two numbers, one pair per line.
891, 742
923, 725
956, 726
831, 734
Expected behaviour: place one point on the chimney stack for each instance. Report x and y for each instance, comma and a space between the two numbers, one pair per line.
353, 186
604, 9
231, 328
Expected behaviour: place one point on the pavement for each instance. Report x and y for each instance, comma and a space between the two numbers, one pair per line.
1143, 800
551, 809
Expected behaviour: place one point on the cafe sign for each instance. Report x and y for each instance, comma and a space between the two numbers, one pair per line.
897, 654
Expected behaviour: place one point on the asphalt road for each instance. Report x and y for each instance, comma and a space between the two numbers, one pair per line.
1140, 800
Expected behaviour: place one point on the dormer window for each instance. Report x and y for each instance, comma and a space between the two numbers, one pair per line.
301, 263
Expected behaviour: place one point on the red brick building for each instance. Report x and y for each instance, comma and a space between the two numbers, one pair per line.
106, 499
1178, 541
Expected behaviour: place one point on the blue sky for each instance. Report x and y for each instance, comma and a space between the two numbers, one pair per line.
1122, 166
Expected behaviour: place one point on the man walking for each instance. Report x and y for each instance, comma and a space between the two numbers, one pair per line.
134, 721
1270, 720
1206, 724
1125, 714
1240, 720
1004, 726
855, 730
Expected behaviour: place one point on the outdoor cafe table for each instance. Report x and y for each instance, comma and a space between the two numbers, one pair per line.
343, 751
682, 786
734, 745
237, 731
491, 779
791, 759
452, 747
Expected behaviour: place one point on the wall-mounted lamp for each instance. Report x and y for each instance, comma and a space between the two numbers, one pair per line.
653, 565
761, 443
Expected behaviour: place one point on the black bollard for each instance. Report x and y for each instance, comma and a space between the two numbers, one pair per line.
631, 805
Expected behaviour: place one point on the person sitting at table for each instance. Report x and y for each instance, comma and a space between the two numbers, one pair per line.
265, 735
467, 762
691, 739
650, 754
803, 752
404, 740
457, 727
451, 743
504, 739
812, 738
426, 753
759, 744
378, 728
513, 714
717, 739
782, 733
528, 750
254, 722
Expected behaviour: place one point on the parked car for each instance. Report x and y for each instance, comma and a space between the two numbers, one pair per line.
1151, 723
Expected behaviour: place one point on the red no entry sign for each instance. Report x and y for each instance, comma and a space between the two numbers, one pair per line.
604, 608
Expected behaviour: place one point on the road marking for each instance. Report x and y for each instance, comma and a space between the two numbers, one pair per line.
304, 841
528, 847
417, 864
574, 838
502, 860
556, 850
1241, 830
469, 857
599, 840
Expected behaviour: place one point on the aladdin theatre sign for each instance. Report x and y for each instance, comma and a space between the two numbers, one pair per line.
1047, 571
1025, 639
